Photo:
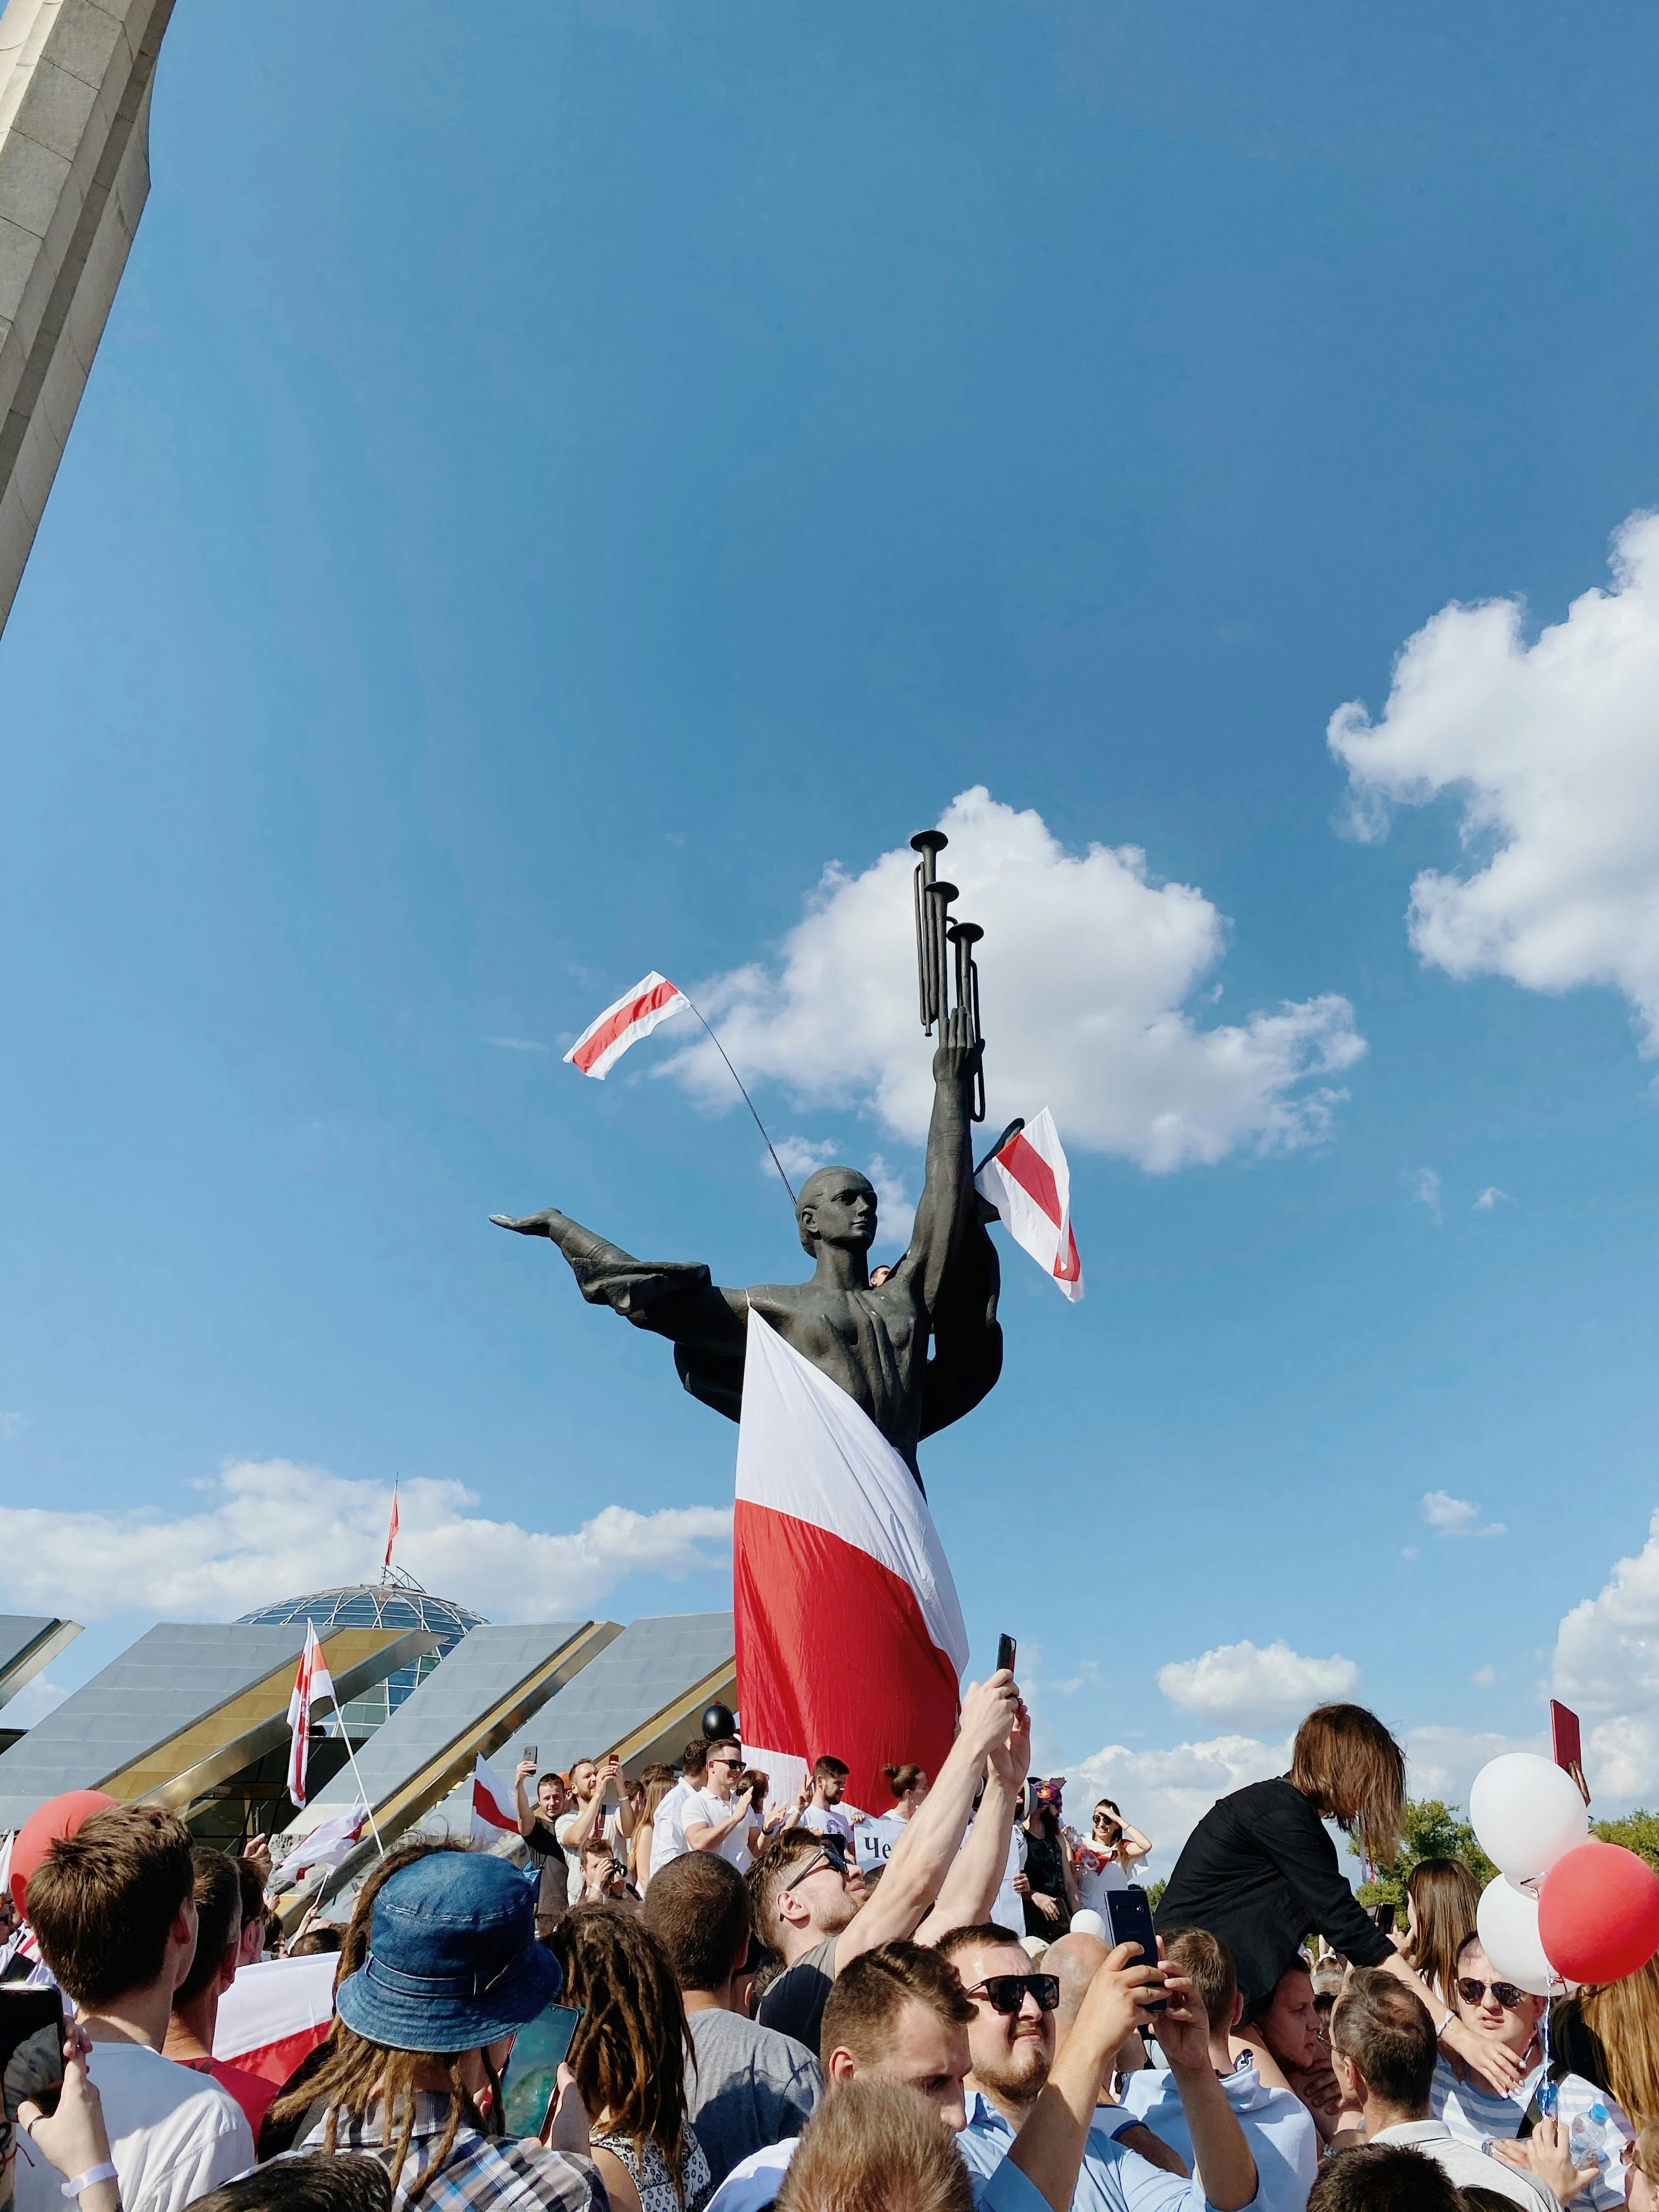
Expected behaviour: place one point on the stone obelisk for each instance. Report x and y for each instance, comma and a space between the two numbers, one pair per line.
75, 86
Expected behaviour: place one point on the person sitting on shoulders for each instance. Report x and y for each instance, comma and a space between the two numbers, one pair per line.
1050, 1893
1110, 1858
1474, 2105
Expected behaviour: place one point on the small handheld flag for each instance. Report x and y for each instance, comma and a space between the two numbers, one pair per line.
494, 1813
312, 1682
623, 1023
1028, 1182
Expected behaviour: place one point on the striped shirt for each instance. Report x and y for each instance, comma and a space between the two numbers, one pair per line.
1480, 2116
482, 2173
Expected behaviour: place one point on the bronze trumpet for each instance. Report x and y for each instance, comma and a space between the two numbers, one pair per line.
943, 946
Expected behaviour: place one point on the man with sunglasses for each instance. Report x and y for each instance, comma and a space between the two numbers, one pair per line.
1011, 2042
1475, 2109
717, 1818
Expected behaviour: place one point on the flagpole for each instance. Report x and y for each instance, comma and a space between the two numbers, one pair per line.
747, 1100
352, 1756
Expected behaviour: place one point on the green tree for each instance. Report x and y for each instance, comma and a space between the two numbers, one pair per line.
1433, 1829
1155, 1892
1637, 1832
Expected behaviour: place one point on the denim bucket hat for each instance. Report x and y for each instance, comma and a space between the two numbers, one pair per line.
452, 1962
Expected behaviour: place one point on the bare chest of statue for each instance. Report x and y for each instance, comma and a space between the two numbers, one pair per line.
872, 1343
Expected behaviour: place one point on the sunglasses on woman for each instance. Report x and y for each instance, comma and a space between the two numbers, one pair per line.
1005, 1993
1505, 1993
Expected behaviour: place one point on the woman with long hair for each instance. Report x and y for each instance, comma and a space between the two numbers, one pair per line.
658, 1781
1609, 2032
1050, 1890
1109, 1857
1442, 1899
1259, 1871
425, 2023
628, 2057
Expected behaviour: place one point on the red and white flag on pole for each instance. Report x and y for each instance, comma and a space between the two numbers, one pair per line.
830, 1524
495, 1812
392, 1526
312, 1682
1030, 1184
634, 1015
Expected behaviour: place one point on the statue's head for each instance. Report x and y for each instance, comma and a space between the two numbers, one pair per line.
837, 1205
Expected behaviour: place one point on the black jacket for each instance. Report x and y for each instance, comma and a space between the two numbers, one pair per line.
1259, 1871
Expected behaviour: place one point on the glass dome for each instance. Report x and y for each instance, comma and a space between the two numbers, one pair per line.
397, 1602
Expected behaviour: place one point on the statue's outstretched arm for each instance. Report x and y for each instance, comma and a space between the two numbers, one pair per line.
674, 1298
947, 1185
576, 1243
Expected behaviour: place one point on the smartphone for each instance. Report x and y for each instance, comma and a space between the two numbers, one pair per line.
31, 2048
1384, 1916
1006, 1648
1128, 1916
533, 1753
533, 2071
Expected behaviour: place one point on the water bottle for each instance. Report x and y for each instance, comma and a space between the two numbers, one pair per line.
1587, 2138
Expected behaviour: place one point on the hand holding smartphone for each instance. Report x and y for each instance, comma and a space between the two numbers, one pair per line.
1128, 1916
533, 2072
32, 2033
1006, 1649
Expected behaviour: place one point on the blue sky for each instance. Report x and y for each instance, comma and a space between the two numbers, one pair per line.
548, 492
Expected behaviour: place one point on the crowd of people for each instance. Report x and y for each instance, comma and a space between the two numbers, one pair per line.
759, 2003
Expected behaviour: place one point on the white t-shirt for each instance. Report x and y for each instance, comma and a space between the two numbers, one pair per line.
703, 1808
668, 1830
754, 2182
874, 1842
174, 2133
827, 1821
572, 1852
1097, 1872
1009, 1910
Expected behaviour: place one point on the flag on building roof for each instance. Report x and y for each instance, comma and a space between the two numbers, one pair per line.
623, 1023
312, 1682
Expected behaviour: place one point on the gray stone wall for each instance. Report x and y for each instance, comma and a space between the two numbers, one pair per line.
75, 86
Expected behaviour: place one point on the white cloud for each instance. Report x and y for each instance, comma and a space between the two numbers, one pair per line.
1167, 1793
1455, 1517
31, 1704
896, 1210
1484, 1677
1424, 1187
1441, 1762
1408, 1550
12, 1425
1607, 1668
801, 1155
271, 1522
1089, 967
1490, 1198
1552, 750
1255, 1687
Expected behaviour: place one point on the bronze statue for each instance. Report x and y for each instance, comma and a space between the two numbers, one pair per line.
873, 1340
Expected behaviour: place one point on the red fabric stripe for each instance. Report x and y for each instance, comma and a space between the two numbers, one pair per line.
485, 1805
834, 1653
605, 1035
274, 2062
1070, 1268
1033, 1174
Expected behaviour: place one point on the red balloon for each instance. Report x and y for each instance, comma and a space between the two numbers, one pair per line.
1598, 1913
58, 1816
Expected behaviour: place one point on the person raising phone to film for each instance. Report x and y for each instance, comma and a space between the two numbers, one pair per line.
1261, 1872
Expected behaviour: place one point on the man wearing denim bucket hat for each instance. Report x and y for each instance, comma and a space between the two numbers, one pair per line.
413, 2074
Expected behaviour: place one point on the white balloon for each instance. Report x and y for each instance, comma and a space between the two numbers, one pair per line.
1088, 1923
1526, 1811
1507, 1924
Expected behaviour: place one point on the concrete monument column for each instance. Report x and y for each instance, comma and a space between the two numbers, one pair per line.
75, 86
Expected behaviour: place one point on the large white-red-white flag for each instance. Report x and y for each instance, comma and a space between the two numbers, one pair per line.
850, 1639
495, 1810
274, 2013
630, 1017
1030, 1184
312, 1682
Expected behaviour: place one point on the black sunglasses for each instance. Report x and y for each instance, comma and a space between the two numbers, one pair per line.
1506, 1993
832, 1852
1005, 1993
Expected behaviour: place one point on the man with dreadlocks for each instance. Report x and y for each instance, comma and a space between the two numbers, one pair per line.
411, 2073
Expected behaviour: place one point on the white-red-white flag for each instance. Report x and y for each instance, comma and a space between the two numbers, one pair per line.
275, 2012
495, 1810
312, 1682
630, 1017
1030, 1184
392, 1526
828, 1514
328, 1845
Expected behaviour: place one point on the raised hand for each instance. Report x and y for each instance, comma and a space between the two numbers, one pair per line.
956, 1055
988, 1713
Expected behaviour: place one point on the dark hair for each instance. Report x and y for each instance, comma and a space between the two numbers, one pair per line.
1445, 1896
982, 1933
876, 2146
312, 2182
1383, 2178
218, 1919
826, 1768
773, 1872
694, 1760
251, 1884
1347, 1762
551, 1774
628, 2055
901, 1779
1208, 1966
872, 1990
1383, 2028
697, 1908
103, 1901
318, 1942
